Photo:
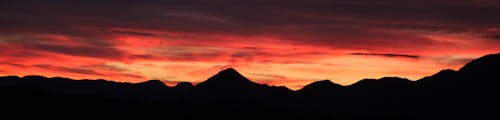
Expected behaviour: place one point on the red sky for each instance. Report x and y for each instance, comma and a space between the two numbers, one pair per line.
276, 42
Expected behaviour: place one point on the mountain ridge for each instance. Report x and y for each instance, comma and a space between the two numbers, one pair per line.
448, 93
243, 80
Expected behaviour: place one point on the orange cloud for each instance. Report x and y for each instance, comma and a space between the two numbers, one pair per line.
291, 44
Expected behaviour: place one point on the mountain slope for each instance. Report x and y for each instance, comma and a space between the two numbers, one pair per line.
320, 89
228, 79
484, 67
229, 83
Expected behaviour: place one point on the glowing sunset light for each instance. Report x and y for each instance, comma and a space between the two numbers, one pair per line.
285, 44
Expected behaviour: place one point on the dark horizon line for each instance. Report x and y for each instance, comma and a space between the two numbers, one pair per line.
232, 70
196, 83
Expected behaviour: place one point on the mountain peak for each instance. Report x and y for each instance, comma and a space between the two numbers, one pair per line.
324, 83
228, 78
229, 70
152, 84
320, 87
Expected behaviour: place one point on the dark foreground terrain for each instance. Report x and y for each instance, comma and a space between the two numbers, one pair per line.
471, 92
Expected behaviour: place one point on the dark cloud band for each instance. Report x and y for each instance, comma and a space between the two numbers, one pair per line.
386, 55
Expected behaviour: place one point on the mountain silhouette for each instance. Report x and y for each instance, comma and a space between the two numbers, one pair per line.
228, 80
230, 86
151, 84
385, 82
385, 85
482, 74
483, 67
481, 79
184, 85
445, 80
321, 88
469, 92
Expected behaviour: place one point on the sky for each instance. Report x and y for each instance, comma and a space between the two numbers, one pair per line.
277, 42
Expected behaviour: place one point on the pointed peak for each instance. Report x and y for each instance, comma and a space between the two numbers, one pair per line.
229, 71
227, 78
